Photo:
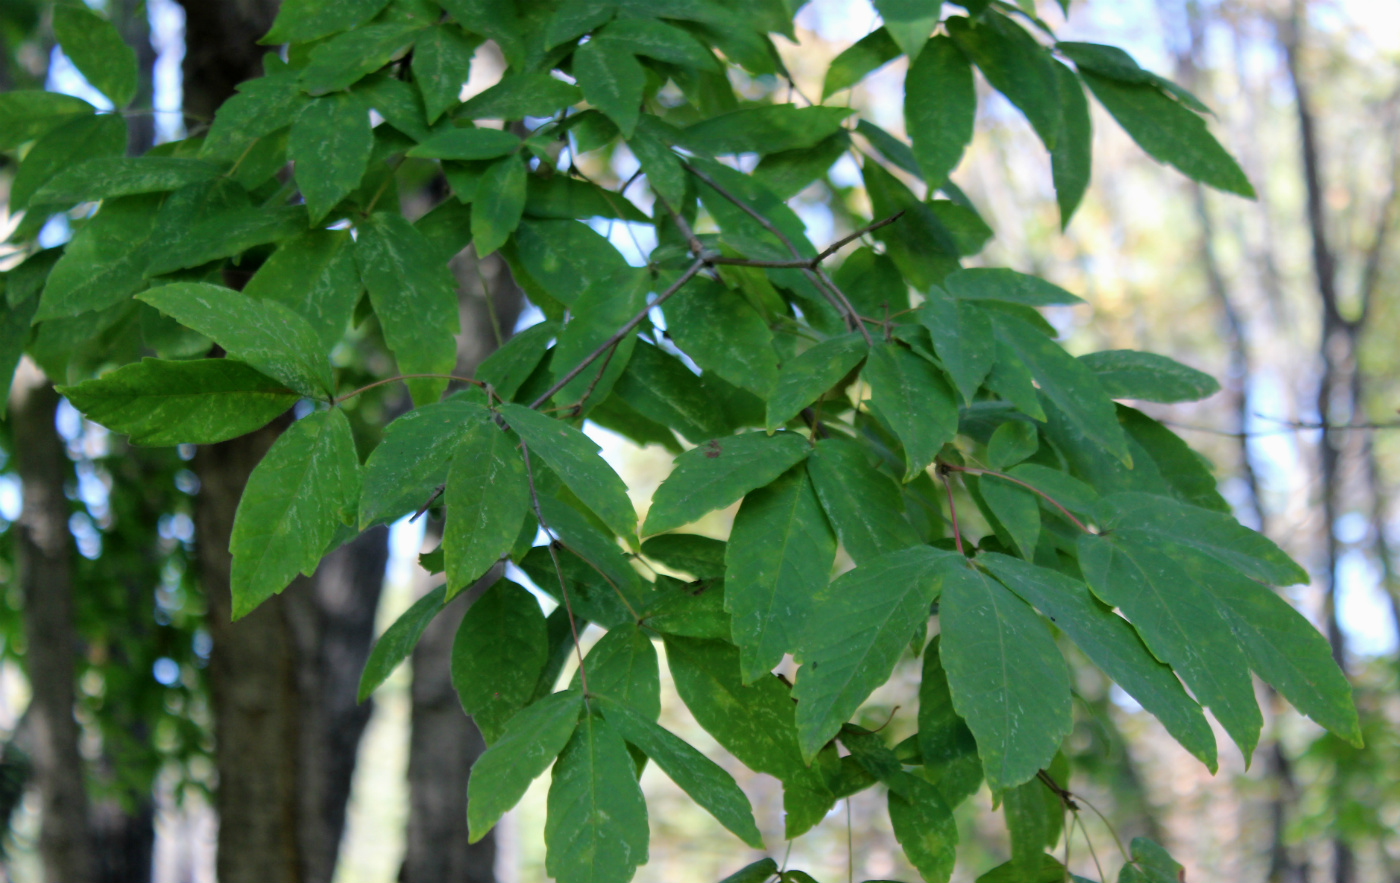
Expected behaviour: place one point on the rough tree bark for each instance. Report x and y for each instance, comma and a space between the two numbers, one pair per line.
43, 550
444, 742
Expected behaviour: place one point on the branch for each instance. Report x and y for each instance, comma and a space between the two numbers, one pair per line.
812, 263
944, 468
1286, 427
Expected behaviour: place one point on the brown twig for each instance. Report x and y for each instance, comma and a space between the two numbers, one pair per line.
350, 395
952, 508
975, 470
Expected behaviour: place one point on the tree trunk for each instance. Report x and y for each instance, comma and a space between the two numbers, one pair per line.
445, 742
42, 552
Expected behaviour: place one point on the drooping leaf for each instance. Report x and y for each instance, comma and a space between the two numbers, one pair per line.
468, 144
330, 143
486, 497
699, 556
315, 275
348, 58
521, 95
1151, 864
1169, 132
201, 401
1016, 509
1186, 474
1072, 158
1016, 65
528, 745
106, 177
413, 458
924, 826
414, 297
302, 491
612, 81
75, 141
723, 333
767, 129
946, 745
600, 310
690, 610
398, 641
865, 56
498, 655
719, 472
1179, 622
855, 630
265, 334
914, 400
962, 339
26, 114
222, 234
574, 458
14, 333
1062, 379
99, 53
704, 780
1001, 284
499, 203
758, 872
862, 504
300, 21
1007, 677
1128, 374
1012, 442
623, 667
1113, 646
815, 371
596, 829
779, 551
511, 365
442, 59
660, 387
939, 105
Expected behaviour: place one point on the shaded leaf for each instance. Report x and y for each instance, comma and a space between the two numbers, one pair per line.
521, 95
498, 655
767, 129
940, 103
719, 472
499, 204
1072, 158
348, 58
330, 143
413, 458
97, 51
946, 746
612, 80
914, 400
442, 59
962, 338
1002, 284
924, 826
658, 386
723, 333
1016, 65
467, 144
398, 641
105, 177
809, 376
301, 21
865, 56
26, 114
909, 22
1128, 374
528, 745
486, 496
862, 503
315, 275
596, 829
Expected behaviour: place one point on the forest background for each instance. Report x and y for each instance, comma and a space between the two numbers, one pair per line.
1289, 300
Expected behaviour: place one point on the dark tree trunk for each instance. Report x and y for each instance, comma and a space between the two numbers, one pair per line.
445, 742
42, 550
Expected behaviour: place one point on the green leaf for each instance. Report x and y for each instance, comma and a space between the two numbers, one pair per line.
97, 51
924, 826
1066, 382
104, 262
661, 166
1012, 442
909, 22
413, 458
612, 80
659, 40
754, 722
596, 829
414, 296
486, 496
1179, 622
1007, 677
346, 59
199, 401
14, 334
623, 667
528, 745
705, 781
468, 144
1072, 158
265, 334
1169, 132
599, 311
500, 201
1151, 864
106, 177
919, 243
699, 556
498, 655
768, 129
690, 610
521, 95
331, 142
442, 60
295, 499
1114, 63
659, 386
914, 400
1186, 474
301, 21
398, 641
1283, 648
780, 549
760, 871
855, 630
574, 458
76, 140
867, 55
1001, 284
862, 503
1112, 645
1016, 65
723, 333
1128, 374
556, 261
940, 103
26, 114
718, 473
1215, 534
512, 364
262, 106
564, 198
315, 275
962, 338
813, 373
495, 19
1016, 508
946, 745
1049, 871
221, 234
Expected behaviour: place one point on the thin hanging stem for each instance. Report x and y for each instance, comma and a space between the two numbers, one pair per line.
976, 470
369, 386
952, 510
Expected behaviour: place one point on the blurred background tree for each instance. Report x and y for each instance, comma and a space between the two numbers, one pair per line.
115, 575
